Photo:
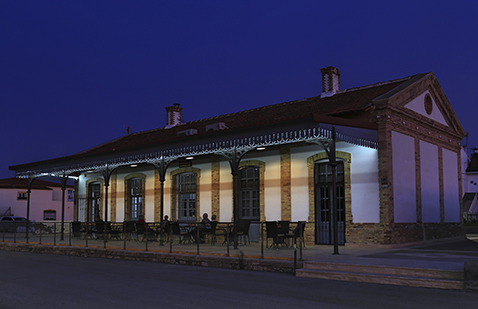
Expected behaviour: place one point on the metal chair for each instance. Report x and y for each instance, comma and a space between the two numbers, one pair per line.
182, 235
272, 231
243, 231
76, 229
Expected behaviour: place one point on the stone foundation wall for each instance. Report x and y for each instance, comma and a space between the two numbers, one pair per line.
407, 233
233, 262
400, 233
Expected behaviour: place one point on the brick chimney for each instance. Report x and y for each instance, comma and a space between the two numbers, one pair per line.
330, 81
173, 116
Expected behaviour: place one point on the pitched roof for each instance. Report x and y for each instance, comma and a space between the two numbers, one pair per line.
344, 101
22, 183
349, 100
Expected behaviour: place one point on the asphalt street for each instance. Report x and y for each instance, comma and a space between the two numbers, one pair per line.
30, 280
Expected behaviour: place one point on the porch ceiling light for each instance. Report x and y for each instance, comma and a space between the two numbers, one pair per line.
189, 158
261, 148
134, 165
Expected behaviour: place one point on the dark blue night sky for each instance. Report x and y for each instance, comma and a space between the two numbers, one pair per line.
74, 73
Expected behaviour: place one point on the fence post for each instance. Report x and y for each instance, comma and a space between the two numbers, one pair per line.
86, 236
171, 239
262, 240
228, 231
146, 233
54, 234
40, 231
124, 235
197, 237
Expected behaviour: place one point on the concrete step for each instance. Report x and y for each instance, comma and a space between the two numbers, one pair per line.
432, 277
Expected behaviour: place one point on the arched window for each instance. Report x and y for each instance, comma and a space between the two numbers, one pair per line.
249, 198
135, 190
187, 196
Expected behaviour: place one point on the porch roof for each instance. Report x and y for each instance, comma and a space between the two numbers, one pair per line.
283, 123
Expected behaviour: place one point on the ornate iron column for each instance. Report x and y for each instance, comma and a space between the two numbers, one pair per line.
162, 165
63, 178
29, 190
106, 172
234, 157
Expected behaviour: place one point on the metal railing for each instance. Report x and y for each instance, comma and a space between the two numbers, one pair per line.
191, 238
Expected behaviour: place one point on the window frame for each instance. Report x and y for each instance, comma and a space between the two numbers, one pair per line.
187, 196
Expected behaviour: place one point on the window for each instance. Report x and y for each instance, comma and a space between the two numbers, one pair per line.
21, 196
95, 200
71, 195
249, 202
49, 215
135, 198
187, 193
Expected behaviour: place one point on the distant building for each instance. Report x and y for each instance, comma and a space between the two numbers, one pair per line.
398, 165
470, 190
46, 202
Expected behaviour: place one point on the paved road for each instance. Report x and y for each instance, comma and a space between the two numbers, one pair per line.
31, 280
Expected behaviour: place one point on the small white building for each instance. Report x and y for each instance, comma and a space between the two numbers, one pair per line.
45, 196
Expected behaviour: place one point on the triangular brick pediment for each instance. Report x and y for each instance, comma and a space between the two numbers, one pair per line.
423, 98
425, 105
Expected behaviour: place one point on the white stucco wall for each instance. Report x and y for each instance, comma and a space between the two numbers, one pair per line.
417, 105
225, 189
300, 181
404, 180
450, 186
272, 185
365, 184
430, 185
40, 200
205, 189
365, 190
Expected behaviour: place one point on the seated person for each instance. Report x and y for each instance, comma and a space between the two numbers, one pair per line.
204, 228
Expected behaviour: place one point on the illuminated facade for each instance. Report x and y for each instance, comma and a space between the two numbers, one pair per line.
398, 165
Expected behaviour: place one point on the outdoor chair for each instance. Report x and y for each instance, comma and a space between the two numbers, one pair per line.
283, 228
299, 232
211, 231
242, 227
182, 234
100, 230
89, 230
243, 231
113, 233
272, 231
76, 229
219, 230
130, 229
